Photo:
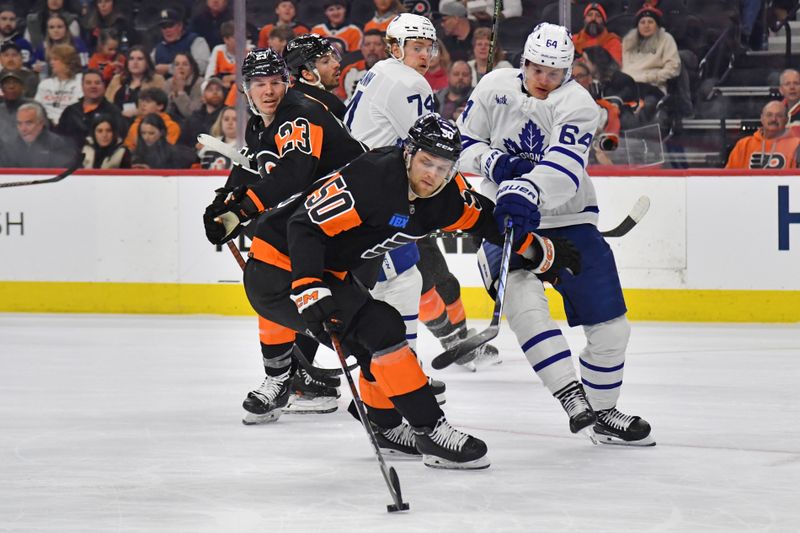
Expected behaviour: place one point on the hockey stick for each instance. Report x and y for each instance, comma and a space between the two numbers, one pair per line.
75, 166
389, 474
212, 143
315, 372
638, 212
494, 36
448, 357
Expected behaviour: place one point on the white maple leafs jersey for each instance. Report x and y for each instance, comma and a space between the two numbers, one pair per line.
386, 102
555, 134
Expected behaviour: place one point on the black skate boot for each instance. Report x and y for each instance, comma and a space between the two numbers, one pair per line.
581, 417
311, 396
397, 442
443, 446
266, 403
613, 427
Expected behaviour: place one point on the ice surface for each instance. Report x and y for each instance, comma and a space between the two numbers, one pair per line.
132, 423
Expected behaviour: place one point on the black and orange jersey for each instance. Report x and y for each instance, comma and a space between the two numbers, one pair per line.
361, 212
327, 98
302, 143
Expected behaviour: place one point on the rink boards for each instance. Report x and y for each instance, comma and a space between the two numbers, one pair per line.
715, 246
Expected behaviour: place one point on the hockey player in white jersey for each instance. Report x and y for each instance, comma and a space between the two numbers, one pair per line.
386, 102
528, 133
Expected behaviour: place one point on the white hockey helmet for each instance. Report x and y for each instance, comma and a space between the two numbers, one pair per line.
550, 45
409, 26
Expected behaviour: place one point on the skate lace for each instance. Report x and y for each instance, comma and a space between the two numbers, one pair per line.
447, 436
402, 434
271, 387
308, 379
615, 419
574, 401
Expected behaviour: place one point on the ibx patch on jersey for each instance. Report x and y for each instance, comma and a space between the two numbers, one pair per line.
398, 220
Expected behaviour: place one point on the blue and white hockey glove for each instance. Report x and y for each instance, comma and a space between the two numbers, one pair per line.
518, 200
499, 166
318, 309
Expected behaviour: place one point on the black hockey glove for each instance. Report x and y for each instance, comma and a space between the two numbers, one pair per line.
223, 218
554, 258
318, 309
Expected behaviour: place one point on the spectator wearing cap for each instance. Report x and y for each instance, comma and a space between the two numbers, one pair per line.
152, 101
790, 90
10, 34
208, 22
595, 33
453, 98
11, 60
650, 54
222, 64
65, 86
174, 40
213, 97
457, 30
185, 87
77, 117
33, 145
13, 97
385, 11
285, 13
373, 49
336, 25
772, 146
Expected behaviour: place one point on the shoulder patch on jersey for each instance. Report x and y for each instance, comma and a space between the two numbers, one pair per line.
531, 143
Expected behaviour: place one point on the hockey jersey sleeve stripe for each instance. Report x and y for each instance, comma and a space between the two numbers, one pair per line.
266, 253
591, 209
466, 142
304, 281
256, 200
569, 153
339, 223
563, 170
467, 220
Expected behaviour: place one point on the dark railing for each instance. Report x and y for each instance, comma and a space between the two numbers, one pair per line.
785, 24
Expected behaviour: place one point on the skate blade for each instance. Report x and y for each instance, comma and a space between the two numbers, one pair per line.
251, 419
588, 432
615, 441
433, 461
309, 406
397, 455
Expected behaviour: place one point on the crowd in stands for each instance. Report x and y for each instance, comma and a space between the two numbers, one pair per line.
98, 78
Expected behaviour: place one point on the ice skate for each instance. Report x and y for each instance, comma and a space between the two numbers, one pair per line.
397, 442
614, 427
581, 417
443, 446
311, 396
484, 355
266, 403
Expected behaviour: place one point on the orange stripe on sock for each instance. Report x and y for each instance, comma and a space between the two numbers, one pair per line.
431, 305
398, 372
456, 313
270, 333
372, 395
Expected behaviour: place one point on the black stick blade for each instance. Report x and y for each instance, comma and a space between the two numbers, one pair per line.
448, 357
395, 482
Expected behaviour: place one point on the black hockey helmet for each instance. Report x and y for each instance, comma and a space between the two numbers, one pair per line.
304, 50
263, 62
435, 135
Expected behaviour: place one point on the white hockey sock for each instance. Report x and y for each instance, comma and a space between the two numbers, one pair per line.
539, 336
602, 361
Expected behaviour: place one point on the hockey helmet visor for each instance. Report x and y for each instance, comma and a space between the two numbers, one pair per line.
303, 51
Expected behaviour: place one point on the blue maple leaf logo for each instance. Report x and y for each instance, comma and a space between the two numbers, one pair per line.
531, 143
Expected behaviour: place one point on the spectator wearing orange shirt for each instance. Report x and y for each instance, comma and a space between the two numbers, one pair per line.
285, 12
107, 60
595, 33
385, 11
152, 101
772, 146
337, 25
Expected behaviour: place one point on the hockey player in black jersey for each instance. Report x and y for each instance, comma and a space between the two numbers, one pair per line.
315, 65
291, 141
298, 277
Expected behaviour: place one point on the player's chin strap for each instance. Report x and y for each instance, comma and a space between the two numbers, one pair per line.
317, 78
